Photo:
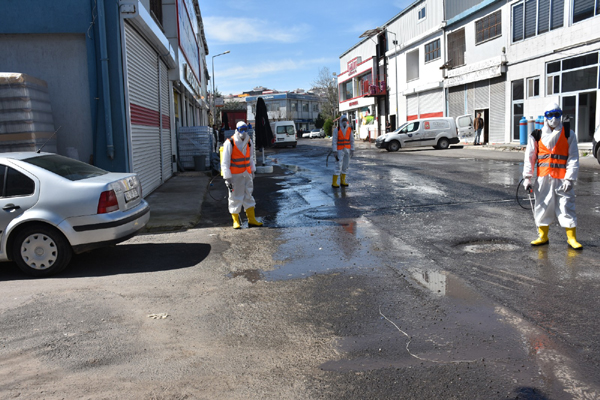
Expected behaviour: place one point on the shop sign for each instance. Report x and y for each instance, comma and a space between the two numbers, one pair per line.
353, 65
190, 77
187, 37
353, 103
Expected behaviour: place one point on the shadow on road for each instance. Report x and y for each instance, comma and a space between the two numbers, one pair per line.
124, 259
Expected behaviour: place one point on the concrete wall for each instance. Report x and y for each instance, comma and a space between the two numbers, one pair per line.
60, 60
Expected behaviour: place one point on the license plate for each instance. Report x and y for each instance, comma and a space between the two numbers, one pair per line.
280, 139
131, 195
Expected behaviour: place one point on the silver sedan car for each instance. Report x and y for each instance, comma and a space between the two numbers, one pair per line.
54, 206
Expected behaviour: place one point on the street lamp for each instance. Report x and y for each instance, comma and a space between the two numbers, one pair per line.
213, 86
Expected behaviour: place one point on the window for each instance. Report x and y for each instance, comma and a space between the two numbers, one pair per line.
410, 127
488, 27
456, 48
304, 107
517, 90
66, 167
533, 87
584, 9
15, 183
533, 17
315, 107
518, 94
432, 50
412, 65
364, 83
294, 106
422, 13
156, 11
572, 74
346, 90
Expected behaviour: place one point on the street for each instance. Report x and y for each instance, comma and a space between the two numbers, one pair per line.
415, 282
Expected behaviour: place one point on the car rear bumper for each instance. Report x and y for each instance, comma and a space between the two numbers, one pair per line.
86, 233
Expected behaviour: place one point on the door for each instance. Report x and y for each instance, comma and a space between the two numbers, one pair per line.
17, 195
412, 135
581, 109
485, 133
464, 125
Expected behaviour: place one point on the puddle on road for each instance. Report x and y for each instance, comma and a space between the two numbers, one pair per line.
488, 246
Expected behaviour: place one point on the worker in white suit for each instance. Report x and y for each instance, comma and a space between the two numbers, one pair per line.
554, 151
342, 145
238, 169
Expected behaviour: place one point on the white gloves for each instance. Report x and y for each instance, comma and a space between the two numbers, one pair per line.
527, 184
229, 185
566, 185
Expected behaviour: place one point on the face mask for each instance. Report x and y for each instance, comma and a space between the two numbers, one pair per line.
552, 122
243, 135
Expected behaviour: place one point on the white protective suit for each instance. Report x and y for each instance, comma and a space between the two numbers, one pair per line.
342, 159
553, 197
242, 184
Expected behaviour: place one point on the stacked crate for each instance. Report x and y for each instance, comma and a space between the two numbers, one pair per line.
195, 141
26, 122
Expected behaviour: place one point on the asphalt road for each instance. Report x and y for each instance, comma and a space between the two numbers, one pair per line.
417, 281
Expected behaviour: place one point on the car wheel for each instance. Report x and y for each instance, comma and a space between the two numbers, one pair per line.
443, 144
394, 145
598, 153
40, 250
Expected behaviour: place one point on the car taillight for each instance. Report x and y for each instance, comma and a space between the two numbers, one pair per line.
108, 202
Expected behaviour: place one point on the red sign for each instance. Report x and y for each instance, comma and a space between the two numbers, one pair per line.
426, 124
352, 65
353, 103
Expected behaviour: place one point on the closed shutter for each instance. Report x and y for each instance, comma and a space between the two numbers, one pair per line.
517, 22
456, 101
412, 107
431, 104
470, 99
143, 88
530, 16
557, 15
582, 9
482, 94
498, 112
165, 123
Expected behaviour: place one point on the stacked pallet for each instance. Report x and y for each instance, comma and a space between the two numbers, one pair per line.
26, 121
195, 141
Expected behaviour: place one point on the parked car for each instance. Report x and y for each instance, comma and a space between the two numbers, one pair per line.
439, 132
284, 133
306, 134
55, 206
317, 133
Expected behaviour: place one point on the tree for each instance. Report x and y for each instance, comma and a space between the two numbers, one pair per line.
328, 126
326, 86
319, 122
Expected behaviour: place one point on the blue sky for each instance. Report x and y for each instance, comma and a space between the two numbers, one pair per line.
282, 45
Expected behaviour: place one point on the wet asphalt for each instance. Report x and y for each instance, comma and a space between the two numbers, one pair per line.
429, 279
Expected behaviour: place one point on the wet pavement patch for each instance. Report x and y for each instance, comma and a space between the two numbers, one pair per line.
252, 275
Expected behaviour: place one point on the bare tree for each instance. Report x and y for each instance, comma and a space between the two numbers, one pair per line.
326, 86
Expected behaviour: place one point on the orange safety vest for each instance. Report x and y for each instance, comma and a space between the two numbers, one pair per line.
239, 162
553, 162
343, 141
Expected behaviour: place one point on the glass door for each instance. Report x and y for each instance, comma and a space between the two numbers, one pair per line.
581, 109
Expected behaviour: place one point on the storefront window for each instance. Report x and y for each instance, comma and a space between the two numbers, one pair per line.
363, 84
582, 79
346, 90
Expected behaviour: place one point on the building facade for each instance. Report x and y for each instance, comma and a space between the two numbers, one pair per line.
301, 108
118, 84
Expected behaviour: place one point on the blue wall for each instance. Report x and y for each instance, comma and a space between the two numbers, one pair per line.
75, 16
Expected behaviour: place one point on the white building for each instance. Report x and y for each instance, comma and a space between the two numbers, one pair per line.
415, 79
553, 55
301, 108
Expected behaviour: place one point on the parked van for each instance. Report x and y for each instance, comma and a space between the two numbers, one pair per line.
438, 132
284, 133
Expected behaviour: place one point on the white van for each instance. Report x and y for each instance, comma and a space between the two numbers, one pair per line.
438, 132
284, 133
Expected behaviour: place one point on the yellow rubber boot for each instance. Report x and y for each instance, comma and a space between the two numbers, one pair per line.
543, 238
236, 221
572, 239
343, 180
252, 218
334, 182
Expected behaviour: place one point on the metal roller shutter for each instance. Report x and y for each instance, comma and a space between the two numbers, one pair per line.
412, 107
143, 88
482, 94
497, 110
456, 101
431, 104
165, 123
470, 99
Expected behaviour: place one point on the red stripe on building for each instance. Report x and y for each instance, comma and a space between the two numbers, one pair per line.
166, 122
411, 117
144, 116
432, 115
